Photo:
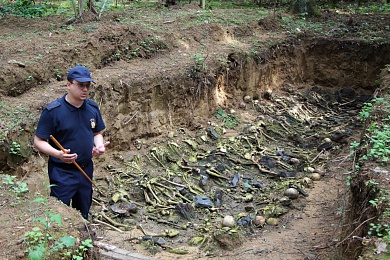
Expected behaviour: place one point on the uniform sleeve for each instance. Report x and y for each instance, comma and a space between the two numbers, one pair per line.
100, 125
45, 126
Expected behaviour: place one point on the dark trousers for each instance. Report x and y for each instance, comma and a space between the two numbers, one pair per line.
68, 184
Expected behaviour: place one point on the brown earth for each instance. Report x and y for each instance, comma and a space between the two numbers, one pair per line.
161, 76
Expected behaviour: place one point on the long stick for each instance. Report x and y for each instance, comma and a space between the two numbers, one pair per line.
75, 163
101, 10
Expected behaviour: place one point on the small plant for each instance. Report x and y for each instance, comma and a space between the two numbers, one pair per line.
8, 180
372, 128
354, 145
365, 112
39, 56
82, 249
200, 62
380, 230
380, 144
372, 184
229, 120
17, 187
199, 68
380, 201
348, 180
57, 74
42, 245
70, 28
15, 148
38, 241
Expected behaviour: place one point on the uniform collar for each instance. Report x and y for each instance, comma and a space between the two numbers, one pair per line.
72, 107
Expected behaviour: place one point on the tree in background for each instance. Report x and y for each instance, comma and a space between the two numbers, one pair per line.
32, 8
81, 3
308, 7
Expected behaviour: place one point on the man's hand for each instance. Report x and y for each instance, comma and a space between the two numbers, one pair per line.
44, 146
66, 156
99, 150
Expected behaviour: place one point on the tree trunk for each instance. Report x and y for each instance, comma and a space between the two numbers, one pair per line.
308, 7
81, 7
91, 6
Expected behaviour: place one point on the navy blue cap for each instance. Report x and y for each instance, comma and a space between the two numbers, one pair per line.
80, 73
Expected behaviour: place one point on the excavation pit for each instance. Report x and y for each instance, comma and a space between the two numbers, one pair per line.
196, 140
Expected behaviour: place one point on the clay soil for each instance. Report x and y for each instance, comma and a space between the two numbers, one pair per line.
145, 63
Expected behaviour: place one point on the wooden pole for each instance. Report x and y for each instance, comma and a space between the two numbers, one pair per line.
75, 163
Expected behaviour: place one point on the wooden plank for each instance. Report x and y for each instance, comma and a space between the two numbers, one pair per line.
112, 252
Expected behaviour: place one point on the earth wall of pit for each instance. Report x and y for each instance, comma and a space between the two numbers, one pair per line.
136, 109
369, 188
155, 105
152, 106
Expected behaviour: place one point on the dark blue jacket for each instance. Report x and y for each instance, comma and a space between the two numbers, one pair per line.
73, 127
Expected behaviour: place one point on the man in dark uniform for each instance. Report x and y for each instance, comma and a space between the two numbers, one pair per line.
75, 121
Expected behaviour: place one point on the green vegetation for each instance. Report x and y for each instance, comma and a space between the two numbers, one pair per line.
15, 148
143, 49
378, 129
45, 239
365, 112
199, 66
372, 8
380, 230
17, 187
229, 120
41, 244
380, 141
374, 149
27, 8
304, 8
12, 119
